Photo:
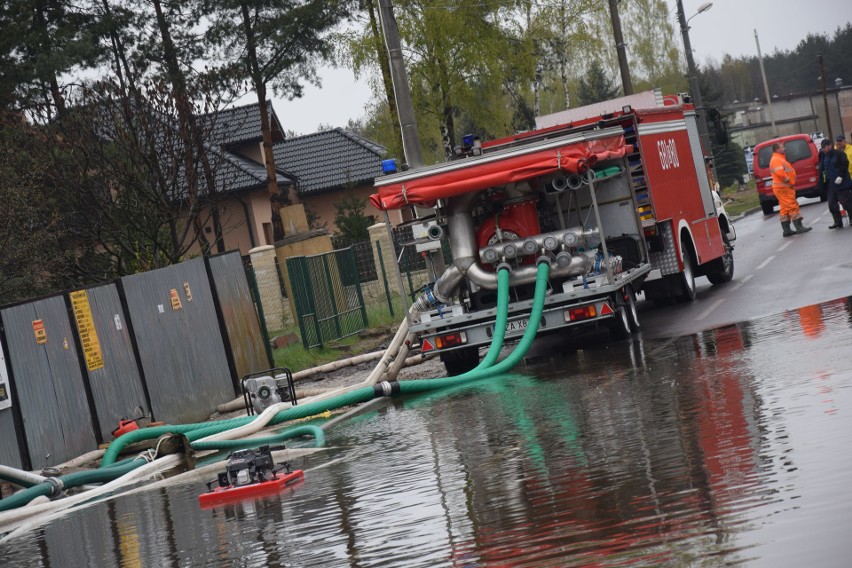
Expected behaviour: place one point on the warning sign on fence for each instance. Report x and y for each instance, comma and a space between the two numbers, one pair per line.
86, 329
175, 299
40, 333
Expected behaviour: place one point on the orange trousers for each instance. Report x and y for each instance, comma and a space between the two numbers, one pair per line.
787, 204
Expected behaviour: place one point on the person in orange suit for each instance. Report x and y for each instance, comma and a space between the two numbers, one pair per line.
784, 187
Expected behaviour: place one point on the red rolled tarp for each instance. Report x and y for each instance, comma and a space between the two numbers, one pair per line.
476, 174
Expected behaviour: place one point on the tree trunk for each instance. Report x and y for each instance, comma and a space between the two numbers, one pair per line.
184, 111
40, 23
276, 199
539, 74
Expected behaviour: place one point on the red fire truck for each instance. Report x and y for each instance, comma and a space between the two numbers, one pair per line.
617, 196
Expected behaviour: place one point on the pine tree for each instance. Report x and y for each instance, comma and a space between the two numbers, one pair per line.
596, 86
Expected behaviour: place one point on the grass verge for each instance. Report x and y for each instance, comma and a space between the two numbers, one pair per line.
740, 198
380, 325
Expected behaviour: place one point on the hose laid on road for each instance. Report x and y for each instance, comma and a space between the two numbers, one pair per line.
20, 477
298, 431
52, 486
194, 433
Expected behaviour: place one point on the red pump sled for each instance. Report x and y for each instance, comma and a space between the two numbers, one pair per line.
249, 474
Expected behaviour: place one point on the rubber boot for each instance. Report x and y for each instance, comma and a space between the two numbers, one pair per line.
786, 226
838, 221
799, 227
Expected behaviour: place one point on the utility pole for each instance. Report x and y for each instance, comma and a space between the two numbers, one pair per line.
402, 93
694, 87
765, 87
620, 47
825, 98
407, 121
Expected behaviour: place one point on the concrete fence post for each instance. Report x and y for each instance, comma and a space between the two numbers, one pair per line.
263, 261
379, 233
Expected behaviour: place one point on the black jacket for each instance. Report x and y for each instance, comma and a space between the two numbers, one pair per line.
831, 166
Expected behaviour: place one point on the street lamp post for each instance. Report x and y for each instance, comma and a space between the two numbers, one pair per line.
693, 72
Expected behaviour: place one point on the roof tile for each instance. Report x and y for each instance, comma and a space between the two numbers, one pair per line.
329, 160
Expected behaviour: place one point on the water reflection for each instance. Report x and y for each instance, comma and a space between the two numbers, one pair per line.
710, 449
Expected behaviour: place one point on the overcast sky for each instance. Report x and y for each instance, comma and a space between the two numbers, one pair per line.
728, 27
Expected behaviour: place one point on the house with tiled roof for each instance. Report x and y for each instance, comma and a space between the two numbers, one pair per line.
328, 165
315, 170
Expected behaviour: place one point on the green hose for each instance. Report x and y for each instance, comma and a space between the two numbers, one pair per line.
514, 357
315, 431
500, 324
69, 481
202, 430
198, 431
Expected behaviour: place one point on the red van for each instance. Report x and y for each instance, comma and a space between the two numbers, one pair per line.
802, 154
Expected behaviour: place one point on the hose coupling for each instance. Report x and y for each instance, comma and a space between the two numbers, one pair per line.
386, 388
504, 266
543, 258
58, 486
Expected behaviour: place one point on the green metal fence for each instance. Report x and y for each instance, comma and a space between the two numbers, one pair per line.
327, 296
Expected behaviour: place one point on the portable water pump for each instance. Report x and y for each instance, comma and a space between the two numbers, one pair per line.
249, 474
266, 388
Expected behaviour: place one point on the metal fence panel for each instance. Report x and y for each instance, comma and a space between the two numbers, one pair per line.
238, 314
180, 344
365, 261
10, 452
48, 381
116, 383
327, 293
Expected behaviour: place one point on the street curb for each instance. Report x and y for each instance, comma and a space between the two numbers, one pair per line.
745, 213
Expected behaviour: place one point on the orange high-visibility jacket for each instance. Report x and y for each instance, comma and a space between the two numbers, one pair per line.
783, 174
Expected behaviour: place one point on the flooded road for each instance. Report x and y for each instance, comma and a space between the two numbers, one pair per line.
731, 446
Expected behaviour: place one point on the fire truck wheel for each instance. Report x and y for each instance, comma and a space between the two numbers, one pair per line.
619, 326
686, 280
630, 305
725, 271
460, 361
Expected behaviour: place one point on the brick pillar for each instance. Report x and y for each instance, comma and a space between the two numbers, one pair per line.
379, 232
263, 261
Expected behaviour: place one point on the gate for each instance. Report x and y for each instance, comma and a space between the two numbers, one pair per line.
327, 296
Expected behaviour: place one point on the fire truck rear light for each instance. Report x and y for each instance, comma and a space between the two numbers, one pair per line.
581, 313
450, 340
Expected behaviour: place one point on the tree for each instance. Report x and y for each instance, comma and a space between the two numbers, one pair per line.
275, 43
730, 163
32, 237
41, 41
123, 163
351, 221
566, 32
595, 86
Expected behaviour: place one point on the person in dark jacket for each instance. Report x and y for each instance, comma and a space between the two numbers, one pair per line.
833, 176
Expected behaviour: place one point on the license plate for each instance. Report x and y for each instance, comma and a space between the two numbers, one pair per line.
516, 326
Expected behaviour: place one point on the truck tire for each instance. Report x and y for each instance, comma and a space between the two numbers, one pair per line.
619, 325
768, 208
725, 272
686, 280
460, 360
